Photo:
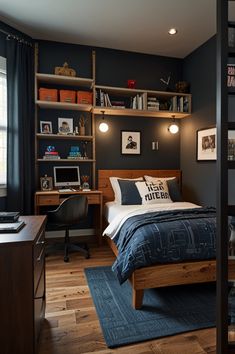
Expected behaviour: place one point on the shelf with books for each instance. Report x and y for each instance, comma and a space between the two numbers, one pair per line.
71, 139
136, 102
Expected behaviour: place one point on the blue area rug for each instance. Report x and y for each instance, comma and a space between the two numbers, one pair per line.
165, 311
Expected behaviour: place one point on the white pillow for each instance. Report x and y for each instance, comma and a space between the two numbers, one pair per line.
116, 187
156, 179
152, 193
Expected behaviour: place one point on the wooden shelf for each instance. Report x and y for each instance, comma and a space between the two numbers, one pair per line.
64, 80
68, 137
145, 97
66, 160
130, 92
65, 106
139, 112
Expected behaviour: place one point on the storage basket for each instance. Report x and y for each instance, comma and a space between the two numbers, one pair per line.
46, 94
84, 97
68, 96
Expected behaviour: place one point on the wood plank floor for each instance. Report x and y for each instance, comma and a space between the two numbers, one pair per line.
72, 326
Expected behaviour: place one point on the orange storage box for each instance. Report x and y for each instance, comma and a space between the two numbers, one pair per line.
46, 94
68, 96
84, 97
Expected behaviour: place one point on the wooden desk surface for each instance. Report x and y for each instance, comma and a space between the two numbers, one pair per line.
27, 233
56, 192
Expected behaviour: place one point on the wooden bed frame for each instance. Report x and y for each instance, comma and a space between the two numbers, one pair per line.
158, 275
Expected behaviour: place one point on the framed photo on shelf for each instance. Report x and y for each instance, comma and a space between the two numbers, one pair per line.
45, 127
46, 183
130, 142
206, 144
65, 125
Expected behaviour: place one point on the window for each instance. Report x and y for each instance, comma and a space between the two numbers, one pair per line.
3, 126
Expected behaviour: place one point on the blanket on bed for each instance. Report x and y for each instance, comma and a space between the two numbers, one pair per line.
164, 237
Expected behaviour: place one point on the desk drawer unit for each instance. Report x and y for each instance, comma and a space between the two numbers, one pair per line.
23, 299
93, 199
48, 200
39, 257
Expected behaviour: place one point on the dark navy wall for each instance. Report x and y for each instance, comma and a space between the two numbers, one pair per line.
114, 68
199, 180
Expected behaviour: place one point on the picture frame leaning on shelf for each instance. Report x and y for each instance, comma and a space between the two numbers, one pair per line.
45, 127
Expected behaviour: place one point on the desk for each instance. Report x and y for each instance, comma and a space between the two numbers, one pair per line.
22, 279
54, 198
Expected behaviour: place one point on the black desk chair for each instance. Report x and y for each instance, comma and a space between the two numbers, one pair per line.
70, 212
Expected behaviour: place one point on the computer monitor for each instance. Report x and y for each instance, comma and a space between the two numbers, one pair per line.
66, 176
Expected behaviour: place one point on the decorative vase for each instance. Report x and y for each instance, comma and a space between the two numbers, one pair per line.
82, 130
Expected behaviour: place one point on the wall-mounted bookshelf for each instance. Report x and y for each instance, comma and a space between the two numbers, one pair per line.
144, 103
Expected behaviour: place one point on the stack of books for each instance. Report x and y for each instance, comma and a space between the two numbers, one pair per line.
74, 153
138, 102
153, 104
51, 154
9, 222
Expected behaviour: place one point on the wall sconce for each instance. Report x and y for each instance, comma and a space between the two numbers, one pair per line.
103, 127
173, 127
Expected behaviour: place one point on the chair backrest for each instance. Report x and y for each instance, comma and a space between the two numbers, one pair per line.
70, 211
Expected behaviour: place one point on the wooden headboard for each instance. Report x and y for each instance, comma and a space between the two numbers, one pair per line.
104, 184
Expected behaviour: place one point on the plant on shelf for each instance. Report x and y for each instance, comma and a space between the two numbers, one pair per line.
82, 123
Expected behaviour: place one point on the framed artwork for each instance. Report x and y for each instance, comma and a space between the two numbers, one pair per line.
65, 125
46, 183
206, 144
231, 145
130, 142
45, 127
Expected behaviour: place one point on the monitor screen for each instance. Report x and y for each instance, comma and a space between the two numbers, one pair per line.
66, 176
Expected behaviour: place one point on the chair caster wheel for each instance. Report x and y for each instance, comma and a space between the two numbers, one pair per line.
66, 259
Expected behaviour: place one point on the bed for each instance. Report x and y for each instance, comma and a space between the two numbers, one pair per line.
156, 275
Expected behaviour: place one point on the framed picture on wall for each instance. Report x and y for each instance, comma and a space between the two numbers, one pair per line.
206, 144
130, 142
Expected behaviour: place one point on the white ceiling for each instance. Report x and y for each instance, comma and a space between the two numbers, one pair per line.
134, 25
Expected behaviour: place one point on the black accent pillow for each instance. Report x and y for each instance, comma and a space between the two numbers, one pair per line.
129, 192
174, 190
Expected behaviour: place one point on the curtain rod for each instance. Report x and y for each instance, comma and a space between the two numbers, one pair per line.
7, 33
11, 35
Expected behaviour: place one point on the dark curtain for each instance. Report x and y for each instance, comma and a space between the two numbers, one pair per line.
20, 144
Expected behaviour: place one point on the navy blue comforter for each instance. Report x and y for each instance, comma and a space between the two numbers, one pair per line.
164, 237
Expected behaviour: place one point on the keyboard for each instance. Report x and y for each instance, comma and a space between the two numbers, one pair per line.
66, 190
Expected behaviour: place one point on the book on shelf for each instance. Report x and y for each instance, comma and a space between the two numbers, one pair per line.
186, 104
137, 102
51, 153
51, 157
181, 104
